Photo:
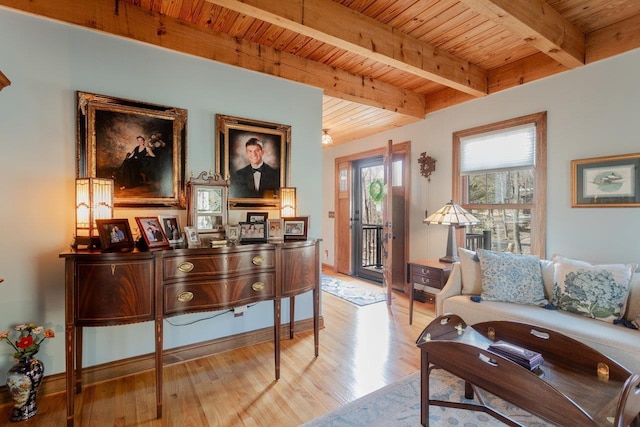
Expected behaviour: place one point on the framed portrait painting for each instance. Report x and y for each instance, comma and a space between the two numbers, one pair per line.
612, 181
141, 146
254, 157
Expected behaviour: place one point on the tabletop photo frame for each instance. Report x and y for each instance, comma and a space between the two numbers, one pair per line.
295, 227
115, 234
152, 233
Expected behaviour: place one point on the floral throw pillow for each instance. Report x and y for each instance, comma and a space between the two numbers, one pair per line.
509, 277
596, 291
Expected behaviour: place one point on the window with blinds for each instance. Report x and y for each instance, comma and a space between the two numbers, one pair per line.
501, 178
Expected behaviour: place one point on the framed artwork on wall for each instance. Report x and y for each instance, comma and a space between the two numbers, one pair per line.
141, 146
612, 181
254, 157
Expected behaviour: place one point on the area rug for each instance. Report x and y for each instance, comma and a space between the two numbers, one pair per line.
351, 292
398, 405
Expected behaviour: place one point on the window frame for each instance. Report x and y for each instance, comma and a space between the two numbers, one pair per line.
538, 206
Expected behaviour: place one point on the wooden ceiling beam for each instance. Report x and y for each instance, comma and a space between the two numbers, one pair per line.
539, 24
344, 28
128, 21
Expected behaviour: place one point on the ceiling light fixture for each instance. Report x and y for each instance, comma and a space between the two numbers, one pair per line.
326, 138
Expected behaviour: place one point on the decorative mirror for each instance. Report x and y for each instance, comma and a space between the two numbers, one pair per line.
207, 205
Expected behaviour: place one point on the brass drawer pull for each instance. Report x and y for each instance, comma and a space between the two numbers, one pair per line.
185, 267
185, 296
424, 280
257, 260
258, 286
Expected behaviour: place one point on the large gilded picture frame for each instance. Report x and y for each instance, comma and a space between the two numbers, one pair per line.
141, 146
241, 142
611, 181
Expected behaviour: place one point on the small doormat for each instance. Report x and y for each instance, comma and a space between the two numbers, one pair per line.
351, 292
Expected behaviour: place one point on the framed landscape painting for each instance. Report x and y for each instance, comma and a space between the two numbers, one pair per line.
141, 146
612, 181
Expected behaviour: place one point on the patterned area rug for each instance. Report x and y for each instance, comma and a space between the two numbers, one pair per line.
348, 291
398, 405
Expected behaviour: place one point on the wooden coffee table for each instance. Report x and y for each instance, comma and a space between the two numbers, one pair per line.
576, 385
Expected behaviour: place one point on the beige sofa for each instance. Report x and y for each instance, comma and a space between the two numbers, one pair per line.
620, 343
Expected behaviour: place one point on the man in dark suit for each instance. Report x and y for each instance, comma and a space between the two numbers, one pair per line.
257, 179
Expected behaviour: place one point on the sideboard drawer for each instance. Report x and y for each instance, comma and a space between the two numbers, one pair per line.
223, 293
200, 266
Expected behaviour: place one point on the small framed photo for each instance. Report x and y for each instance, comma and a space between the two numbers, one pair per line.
193, 240
253, 232
295, 227
612, 181
115, 234
257, 216
152, 232
172, 229
275, 229
233, 233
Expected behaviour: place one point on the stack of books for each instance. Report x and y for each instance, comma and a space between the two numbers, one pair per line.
523, 357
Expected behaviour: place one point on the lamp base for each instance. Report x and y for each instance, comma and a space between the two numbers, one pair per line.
89, 242
449, 259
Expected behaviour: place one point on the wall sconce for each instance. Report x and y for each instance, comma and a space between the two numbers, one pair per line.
287, 202
94, 200
326, 138
454, 216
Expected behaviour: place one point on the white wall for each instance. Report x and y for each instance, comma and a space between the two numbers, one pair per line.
592, 112
46, 63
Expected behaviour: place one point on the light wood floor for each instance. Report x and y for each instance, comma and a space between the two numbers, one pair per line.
361, 350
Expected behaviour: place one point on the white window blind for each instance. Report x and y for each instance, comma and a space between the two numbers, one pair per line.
506, 149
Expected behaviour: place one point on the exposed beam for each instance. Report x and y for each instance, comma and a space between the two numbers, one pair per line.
539, 24
367, 37
125, 20
613, 40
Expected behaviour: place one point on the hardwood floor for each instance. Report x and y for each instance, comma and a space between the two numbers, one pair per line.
361, 350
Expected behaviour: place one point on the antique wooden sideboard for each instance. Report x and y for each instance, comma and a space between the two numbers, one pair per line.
105, 289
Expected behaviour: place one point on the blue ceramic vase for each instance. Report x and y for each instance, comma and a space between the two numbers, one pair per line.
23, 381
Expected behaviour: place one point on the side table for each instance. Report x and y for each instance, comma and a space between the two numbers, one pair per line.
431, 273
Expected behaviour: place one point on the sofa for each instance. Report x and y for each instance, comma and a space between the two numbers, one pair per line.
474, 292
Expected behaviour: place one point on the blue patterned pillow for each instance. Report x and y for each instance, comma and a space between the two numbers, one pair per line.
513, 278
596, 291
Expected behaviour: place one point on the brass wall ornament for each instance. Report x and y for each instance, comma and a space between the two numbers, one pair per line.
427, 165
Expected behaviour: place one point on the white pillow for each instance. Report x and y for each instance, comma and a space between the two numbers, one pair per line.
596, 291
470, 269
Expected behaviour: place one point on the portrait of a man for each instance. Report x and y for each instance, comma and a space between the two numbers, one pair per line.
258, 177
254, 157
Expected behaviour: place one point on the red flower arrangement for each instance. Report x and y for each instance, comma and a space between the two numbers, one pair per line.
27, 343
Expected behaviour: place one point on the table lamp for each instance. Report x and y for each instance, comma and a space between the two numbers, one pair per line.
287, 202
454, 216
94, 200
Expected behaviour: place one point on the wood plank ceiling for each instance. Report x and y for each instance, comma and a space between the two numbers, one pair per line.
381, 63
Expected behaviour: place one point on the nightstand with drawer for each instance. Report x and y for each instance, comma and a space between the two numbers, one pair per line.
431, 274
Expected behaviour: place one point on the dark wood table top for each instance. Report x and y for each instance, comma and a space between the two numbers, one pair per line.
567, 389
